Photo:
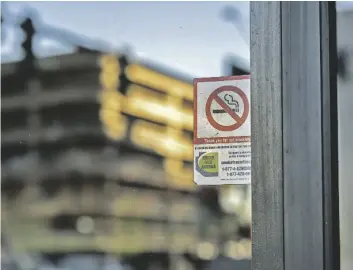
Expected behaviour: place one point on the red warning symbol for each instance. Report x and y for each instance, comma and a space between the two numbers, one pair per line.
233, 113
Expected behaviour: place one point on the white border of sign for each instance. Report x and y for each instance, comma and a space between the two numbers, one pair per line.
222, 153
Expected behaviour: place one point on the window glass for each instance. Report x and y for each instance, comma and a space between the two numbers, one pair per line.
97, 136
345, 109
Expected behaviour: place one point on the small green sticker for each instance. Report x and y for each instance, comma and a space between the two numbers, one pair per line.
207, 164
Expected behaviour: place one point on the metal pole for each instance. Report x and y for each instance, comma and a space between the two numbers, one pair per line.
294, 136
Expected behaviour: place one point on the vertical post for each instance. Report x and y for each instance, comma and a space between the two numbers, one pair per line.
294, 136
266, 136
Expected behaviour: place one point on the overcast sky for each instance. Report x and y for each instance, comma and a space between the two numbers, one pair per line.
189, 37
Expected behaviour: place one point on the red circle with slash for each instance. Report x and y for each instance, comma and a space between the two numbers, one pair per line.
239, 119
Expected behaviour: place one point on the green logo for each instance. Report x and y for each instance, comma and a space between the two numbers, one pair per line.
207, 164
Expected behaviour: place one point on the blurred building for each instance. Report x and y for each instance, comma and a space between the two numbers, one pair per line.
97, 158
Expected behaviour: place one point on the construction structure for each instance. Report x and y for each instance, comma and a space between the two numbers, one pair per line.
97, 157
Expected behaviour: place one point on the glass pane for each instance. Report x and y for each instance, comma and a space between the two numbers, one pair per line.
97, 135
345, 108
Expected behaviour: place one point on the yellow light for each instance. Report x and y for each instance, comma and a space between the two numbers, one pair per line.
154, 137
174, 146
178, 175
145, 134
172, 166
109, 61
109, 80
115, 133
153, 106
158, 81
111, 100
109, 117
175, 106
110, 70
114, 124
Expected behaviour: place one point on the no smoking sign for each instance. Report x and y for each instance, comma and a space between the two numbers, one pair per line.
233, 108
221, 109
222, 130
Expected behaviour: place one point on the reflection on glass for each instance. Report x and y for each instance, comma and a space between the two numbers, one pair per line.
146, 104
97, 150
155, 137
345, 130
155, 80
110, 69
114, 125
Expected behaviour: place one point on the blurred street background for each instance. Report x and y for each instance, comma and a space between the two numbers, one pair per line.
96, 135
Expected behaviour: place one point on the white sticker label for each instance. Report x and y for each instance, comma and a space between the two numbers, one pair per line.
222, 131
